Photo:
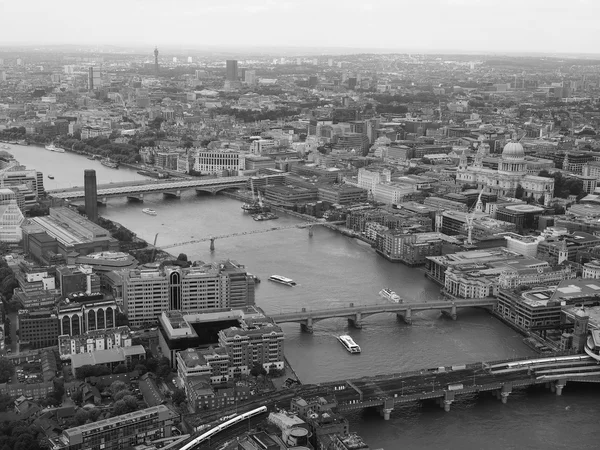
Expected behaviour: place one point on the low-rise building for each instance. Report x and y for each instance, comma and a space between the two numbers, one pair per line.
38, 328
109, 357
408, 247
124, 431
69, 345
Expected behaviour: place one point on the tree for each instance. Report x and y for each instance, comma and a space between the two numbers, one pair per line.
182, 257
117, 386
257, 369
5, 401
140, 368
7, 370
542, 200
121, 368
178, 396
131, 402
81, 416
77, 396
519, 191
121, 394
120, 407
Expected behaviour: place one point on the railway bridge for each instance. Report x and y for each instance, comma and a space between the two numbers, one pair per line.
357, 313
136, 190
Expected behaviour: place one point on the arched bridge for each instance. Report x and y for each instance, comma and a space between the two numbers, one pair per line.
356, 313
173, 188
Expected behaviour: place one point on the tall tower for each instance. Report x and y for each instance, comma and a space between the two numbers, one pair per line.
91, 194
232, 70
91, 79
156, 61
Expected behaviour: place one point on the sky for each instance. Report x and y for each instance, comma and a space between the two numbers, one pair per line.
486, 26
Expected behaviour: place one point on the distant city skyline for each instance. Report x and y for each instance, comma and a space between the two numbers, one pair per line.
428, 26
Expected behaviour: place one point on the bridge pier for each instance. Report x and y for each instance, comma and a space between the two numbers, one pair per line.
504, 392
406, 317
560, 384
176, 194
307, 326
102, 201
386, 409
447, 401
135, 197
212, 244
356, 322
450, 313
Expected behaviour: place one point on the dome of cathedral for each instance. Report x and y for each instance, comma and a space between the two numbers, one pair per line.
513, 150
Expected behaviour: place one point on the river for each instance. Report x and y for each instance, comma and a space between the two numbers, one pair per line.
334, 270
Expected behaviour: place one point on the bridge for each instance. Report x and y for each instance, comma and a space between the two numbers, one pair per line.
212, 239
137, 190
442, 385
356, 313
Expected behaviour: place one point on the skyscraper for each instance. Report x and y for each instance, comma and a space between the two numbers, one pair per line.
91, 79
156, 61
91, 195
232, 70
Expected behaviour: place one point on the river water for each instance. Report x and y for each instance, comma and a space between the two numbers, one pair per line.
333, 270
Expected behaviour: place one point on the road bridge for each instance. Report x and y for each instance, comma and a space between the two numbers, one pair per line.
356, 313
137, 190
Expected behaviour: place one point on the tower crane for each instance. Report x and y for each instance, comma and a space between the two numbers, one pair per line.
470, 216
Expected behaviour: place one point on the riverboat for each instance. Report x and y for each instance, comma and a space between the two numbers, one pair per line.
109, 163
51, 176
265, 216
149, 211
53, 148
390, 295
282, 280
349, 344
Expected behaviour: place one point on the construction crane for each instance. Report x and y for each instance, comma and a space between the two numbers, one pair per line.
154, 249
470, 216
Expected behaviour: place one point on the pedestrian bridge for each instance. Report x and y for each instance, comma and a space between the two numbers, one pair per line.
355, 313
171, 188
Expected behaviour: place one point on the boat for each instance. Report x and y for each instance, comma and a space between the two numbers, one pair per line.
109, 163
53, 148
149, 211
51, 176
265, 216
349, 343
390, 295
5, 147
282, 280
252, 207
23, 142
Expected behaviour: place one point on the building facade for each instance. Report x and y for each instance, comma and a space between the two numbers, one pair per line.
511, 173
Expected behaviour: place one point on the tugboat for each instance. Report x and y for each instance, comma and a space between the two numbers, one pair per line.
109, 163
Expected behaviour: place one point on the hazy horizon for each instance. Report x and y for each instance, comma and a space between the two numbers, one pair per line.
385, 26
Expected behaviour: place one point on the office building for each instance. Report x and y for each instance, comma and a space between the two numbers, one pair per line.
38, 328
91, 195
11, 217
218, 161
13, 177
91, 79
232, 70
255, 342
124, 431
156, 61
76, 279
179, 331
408, 247
84, 313
204, 287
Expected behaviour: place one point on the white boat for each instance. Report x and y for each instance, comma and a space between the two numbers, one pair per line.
390, 295
51, 176
282, 280
149, 211
349, 343
53, 148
